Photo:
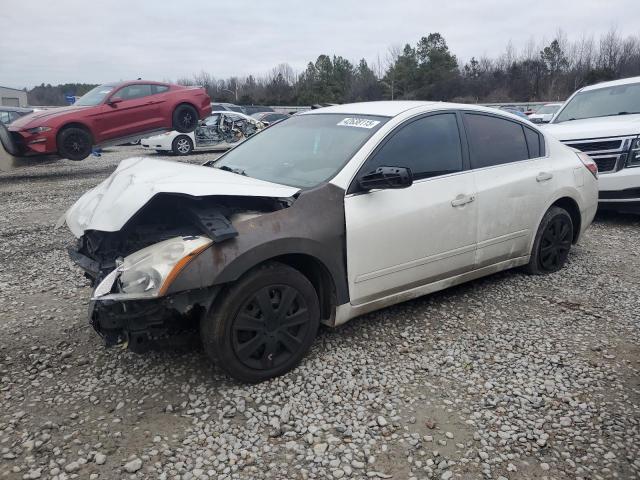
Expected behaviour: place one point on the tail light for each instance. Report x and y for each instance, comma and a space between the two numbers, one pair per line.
588, 162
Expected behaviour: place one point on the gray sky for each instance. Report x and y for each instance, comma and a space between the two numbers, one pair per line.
58, 41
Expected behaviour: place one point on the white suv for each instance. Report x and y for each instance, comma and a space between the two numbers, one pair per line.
323, 217
603, 121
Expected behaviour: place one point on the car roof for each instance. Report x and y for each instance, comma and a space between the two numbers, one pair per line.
133, 82
393, 108
613, 83
389, 108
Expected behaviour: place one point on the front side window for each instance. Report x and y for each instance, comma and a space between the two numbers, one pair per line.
429, 146
134, 91
602, 102
304, 151
494, 141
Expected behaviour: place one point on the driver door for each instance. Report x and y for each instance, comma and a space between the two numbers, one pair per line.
398, 239
135, 113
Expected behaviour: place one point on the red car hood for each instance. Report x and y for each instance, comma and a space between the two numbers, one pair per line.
42, 117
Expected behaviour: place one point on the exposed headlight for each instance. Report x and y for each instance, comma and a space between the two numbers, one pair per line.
38, 129
148, 273
633, 160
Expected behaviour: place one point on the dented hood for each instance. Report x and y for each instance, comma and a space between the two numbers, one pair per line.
109, 206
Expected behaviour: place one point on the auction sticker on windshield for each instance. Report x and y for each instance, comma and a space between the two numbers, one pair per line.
358, 122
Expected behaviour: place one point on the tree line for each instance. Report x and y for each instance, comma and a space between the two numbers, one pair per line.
427, 70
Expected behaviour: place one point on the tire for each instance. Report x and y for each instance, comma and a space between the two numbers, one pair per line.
185, 118
74, 143
182, 145
251, 346
552, 243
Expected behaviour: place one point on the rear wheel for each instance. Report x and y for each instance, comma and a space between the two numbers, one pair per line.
185, 118
552, 243
74, 143
263, 324
182, 145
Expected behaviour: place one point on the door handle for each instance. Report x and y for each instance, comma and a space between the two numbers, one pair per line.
461, 200
544, 176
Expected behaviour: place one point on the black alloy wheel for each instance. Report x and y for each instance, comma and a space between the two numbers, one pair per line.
74, 143
552, 243
261, 325
270, 327
185, 118
556, 243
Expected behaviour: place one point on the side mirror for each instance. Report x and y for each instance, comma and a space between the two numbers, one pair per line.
386, 177
115, 100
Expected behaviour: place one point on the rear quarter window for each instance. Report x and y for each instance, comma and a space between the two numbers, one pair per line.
535, 143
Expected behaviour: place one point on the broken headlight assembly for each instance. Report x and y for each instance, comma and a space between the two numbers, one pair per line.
149, 272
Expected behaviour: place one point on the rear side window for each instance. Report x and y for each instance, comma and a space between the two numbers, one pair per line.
535, 143
159, 88
494, 141
429, 146
134, 91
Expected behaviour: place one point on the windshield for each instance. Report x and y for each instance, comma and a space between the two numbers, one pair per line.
302, 151
95, 96
548, 109
603, 102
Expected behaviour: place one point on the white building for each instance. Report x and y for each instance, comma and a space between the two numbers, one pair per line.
12, 97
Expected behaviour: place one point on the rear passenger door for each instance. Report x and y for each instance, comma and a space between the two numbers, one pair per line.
512, 180
401, 239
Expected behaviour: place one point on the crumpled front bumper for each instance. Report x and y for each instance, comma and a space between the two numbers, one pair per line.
15, 151
138, 324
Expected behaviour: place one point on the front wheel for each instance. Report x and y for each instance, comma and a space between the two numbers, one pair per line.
263, 324
185, 118
74, 143
182, 145
552, 243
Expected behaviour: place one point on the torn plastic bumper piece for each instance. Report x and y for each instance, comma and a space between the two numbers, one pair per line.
138, 324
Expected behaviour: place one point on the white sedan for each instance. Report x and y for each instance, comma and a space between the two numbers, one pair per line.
220, 131
323, 217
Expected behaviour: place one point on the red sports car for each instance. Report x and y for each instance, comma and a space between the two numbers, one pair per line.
110, 114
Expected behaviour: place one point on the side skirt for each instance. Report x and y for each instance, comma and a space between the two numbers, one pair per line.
347, 311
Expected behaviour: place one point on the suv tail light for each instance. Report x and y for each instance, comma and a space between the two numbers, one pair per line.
588, 162
633, 160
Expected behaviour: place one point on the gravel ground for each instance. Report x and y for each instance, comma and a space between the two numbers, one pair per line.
509, 377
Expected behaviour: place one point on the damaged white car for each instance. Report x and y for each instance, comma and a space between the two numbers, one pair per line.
334, 213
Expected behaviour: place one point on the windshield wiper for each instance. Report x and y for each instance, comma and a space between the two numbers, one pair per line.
237, 171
